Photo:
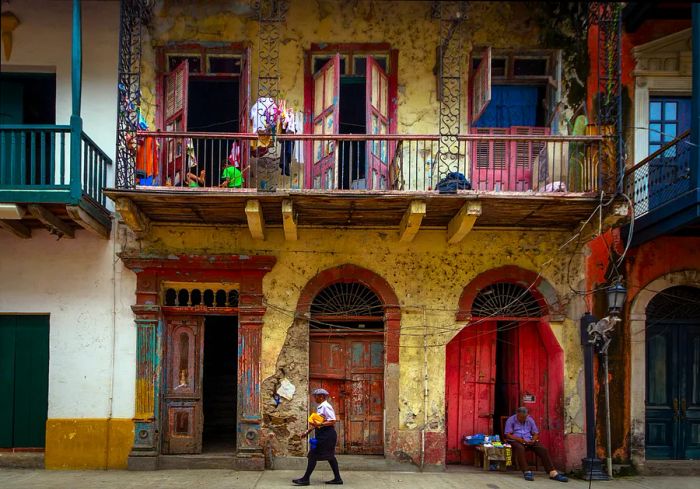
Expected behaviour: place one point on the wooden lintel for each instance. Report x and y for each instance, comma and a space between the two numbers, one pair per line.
133, 217
54, 224
463, 222
86, 221
16, 228
256, 220
289, 221
410, 223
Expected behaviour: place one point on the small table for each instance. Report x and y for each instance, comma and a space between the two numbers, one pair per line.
485, 456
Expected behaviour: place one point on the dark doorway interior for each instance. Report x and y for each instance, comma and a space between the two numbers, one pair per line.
212, 106
506, 373
27, 98
353, 120
220, 384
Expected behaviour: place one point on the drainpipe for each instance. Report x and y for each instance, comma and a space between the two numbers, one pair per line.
608, 438
76, 123
425, 391
695, 102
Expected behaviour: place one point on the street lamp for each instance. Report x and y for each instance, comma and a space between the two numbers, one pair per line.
598, 334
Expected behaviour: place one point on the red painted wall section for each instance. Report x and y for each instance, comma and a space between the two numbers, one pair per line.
648, 31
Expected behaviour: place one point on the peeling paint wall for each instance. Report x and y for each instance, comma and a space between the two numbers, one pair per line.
428, 276
407, 26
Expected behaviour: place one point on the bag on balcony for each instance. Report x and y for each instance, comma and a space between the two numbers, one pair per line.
452, 182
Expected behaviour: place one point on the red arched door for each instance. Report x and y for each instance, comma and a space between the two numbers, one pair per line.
492, 368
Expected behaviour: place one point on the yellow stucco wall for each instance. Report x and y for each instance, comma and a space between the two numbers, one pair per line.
427, 275
88, 443
406, 26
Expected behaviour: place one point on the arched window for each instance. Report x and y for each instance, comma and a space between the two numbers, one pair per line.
680, 303
347, 299
506, 300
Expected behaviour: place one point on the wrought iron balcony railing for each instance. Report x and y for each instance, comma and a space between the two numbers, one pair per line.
494, 163
38, 165
660, 177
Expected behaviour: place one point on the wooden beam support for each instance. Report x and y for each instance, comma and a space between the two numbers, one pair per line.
289, 221
256, 220
410, 223
86, 221
54, 224
16, 228
460, 225
136, 220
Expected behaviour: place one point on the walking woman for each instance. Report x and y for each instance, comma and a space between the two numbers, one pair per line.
326, 438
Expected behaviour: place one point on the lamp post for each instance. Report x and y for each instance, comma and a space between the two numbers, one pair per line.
598, 334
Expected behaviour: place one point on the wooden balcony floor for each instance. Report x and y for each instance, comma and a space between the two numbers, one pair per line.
358, 208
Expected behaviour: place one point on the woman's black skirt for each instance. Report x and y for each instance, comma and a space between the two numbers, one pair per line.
326, 438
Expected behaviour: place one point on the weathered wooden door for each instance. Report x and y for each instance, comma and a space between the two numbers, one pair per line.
183, 386
377, 113
175, 120
326, 109
351, 369
365, 392
470, 387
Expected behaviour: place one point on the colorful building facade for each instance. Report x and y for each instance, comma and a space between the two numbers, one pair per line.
386, 199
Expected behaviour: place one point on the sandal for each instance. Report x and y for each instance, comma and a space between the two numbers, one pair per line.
529, 476
560, 477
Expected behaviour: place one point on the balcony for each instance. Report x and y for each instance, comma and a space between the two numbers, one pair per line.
665, 196
364, 180
52, 176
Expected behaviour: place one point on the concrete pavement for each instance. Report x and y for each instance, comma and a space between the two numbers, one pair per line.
220, 479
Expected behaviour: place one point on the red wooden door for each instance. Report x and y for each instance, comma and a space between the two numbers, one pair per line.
534, 379
183, 386
326, 108
523, 156
365, 405
175, 119
377, 114
470, 387
351, 369
327, 371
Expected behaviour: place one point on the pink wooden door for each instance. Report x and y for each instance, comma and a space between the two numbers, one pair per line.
377, 113
470, 387
175, 119
523, 156
183, 386
490, 164
365, 403
324, 162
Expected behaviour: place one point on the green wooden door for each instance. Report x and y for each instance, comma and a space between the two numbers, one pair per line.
11, 112
24, 380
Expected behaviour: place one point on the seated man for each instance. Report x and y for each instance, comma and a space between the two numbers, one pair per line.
522, 434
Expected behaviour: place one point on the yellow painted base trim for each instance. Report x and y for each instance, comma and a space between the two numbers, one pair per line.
88, 443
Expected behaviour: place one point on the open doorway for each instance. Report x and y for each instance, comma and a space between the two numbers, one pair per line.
220, 384
507, 362
353, 120
213, 106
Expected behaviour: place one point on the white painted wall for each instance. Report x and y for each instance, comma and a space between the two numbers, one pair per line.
42, 43
92, 330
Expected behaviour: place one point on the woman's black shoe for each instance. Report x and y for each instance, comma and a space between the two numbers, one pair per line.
338, 482
300, 482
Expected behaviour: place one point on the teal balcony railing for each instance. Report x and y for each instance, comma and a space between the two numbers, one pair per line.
38, 165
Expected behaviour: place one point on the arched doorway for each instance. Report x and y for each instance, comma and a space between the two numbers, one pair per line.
505, 357
346, 357
672, 423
